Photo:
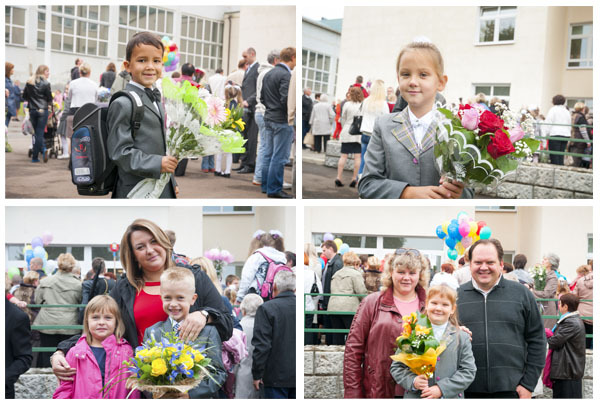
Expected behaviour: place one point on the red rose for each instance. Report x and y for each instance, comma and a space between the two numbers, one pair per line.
489, 122
500, 145
461, 108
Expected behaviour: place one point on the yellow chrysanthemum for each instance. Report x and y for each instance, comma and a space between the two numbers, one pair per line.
422, 330
155, 353
198, 356
159, 367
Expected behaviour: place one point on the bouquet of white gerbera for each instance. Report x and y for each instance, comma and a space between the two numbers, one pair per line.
193, 130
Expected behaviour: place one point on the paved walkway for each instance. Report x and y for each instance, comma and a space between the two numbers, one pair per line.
53, 179
318, 179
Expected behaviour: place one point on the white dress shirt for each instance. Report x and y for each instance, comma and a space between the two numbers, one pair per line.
420, 125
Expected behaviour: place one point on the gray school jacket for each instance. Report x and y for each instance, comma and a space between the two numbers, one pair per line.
394, 161
140, 157
455, 369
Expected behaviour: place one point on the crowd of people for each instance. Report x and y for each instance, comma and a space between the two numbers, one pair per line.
400, 163
476, 306
265, 91
248, 321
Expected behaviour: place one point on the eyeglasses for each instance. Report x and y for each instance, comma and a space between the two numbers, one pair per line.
401, 251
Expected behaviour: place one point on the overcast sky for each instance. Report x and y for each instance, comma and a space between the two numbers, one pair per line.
328, 11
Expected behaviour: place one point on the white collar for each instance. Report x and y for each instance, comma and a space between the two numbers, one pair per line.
425, 120
438, 330
136, 84
488, 291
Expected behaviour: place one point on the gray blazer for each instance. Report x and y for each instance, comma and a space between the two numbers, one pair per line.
208, 337
393, 159
141, 157
455, 369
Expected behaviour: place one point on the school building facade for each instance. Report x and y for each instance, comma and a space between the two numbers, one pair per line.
208, 37
524, 55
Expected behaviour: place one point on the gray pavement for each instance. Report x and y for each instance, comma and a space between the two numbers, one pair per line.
53, 179
318, 179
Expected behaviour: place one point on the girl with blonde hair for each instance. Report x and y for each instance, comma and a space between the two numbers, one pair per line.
373, 106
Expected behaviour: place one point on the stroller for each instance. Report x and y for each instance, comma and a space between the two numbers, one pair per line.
51, 139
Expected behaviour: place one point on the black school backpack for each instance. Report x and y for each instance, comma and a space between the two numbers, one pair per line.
92, 171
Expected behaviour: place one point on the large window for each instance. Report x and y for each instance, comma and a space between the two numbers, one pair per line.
316, 70
14, 25
589, 102
201, 42
133, 19
79, 29
497, 24
580, 46
502, 91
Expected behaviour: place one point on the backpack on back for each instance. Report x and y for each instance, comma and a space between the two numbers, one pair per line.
265, 275
92, 171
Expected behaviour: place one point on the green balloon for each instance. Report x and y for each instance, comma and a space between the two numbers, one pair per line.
13, 271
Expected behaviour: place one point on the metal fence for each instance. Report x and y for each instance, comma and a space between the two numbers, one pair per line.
76, 328
323, 330
574, 140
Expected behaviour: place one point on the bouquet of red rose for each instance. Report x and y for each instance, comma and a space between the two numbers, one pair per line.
478, 147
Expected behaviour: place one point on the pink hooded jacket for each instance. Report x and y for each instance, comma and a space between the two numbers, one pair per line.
87, 383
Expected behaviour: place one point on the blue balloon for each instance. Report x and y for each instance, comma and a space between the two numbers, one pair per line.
452, 254
322, 263
344, 248
450, 242
39, 252
28, 255
440, 232
453, 231
454, 221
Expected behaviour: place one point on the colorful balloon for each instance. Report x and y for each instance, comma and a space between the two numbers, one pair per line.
47, 238
13, 271
462, 216
485, 232
39, 251
37, 241
445, 225
467, 241
322, 262
440, 232
450, 242
338, 242
480, 225
344, 248
464, 228
472, 228
327, 236
454, 232
452, 254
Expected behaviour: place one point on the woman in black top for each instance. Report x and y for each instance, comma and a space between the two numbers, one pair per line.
38, 95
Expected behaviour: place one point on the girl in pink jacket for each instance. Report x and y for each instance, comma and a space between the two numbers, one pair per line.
98, 355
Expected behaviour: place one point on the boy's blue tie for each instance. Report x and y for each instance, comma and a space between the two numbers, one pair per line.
176, 328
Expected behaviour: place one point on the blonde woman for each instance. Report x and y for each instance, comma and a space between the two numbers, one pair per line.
373, 106
38, 95
350, 143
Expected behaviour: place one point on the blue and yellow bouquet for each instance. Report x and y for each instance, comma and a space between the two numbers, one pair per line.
418, 348
168, 365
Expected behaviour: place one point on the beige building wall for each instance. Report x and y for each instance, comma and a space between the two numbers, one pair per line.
533, 231
234, 231
534, 64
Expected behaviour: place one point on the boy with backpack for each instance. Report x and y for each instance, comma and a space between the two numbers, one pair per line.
114, 148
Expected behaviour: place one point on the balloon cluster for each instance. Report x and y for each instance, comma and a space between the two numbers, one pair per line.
461, 232
171, 55
36, 248
341, 246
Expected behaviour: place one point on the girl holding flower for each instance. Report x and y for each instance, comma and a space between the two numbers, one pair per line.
455, 368
377, 323
98, 355
145, 253
400, 162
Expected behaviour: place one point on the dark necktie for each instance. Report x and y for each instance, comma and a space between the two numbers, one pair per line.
153, 94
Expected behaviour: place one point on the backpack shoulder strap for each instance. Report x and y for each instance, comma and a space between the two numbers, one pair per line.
267, 258
137, 114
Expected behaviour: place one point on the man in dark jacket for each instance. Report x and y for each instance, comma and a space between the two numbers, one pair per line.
568, 345
509, 344
17, 346
75, 74
278, 133
334, 263
274, 340
307, 105
248, 159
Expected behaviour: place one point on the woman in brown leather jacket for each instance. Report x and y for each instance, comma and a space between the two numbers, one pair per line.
377, 324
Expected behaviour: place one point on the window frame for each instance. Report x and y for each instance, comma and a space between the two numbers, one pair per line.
131, 30
10, 25
497, 18
77, 20
492, 87
308, 70
207, 62
590, 47
221, 210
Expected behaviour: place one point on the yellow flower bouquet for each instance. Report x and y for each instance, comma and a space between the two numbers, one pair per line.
418, 348
168, 365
